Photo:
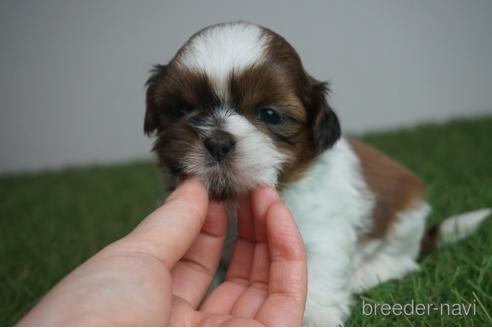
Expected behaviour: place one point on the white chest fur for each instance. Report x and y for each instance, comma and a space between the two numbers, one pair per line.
331, 204
332, 196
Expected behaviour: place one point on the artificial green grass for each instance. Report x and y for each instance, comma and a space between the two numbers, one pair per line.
51, 222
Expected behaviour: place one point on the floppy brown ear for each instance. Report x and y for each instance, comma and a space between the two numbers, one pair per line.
151, 120
325, 124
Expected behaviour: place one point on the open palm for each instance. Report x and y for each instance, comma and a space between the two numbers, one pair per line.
266, 280
159, 273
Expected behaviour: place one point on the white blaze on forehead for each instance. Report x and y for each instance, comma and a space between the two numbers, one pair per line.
222, 49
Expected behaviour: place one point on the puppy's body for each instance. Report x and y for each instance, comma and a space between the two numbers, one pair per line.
335, 209
236, 108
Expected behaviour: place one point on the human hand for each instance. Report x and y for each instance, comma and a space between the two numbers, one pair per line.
160, 272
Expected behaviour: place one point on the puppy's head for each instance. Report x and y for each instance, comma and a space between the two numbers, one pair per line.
236, 108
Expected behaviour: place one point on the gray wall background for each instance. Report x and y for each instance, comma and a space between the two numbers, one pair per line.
72, 73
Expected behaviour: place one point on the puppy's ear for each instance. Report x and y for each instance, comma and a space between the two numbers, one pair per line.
151, 120
325, 124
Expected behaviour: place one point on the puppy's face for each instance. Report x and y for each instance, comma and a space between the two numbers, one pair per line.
236, 108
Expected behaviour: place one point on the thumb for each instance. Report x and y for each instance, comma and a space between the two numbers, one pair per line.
170, 230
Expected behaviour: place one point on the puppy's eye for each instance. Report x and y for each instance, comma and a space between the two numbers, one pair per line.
269, 115
181, 110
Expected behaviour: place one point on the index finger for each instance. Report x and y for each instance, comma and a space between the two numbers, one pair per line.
169, 231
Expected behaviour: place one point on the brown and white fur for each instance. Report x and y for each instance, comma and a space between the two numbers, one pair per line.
236, 108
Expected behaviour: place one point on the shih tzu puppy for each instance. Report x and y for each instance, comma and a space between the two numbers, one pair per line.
236, 108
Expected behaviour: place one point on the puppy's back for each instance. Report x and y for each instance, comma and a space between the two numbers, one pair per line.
395, 187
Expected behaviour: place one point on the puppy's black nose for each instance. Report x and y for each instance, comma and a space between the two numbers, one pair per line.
220, 144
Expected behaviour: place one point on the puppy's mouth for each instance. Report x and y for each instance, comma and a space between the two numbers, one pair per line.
218, 177
220, 185
218, 168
